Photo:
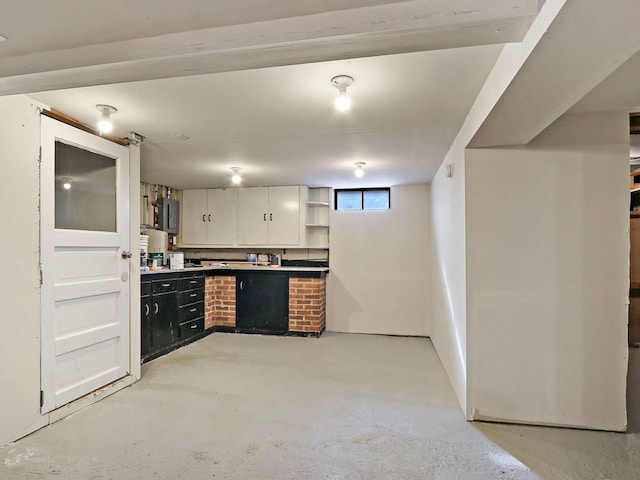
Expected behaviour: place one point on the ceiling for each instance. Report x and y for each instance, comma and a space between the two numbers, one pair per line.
249, 84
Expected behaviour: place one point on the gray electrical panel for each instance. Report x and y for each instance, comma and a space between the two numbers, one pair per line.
168, 215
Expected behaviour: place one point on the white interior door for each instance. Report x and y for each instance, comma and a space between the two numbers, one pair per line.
85, 276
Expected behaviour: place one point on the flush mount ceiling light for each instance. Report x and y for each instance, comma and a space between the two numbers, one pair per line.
236, 178
359, 169
104, 124
181, 136
66, 183
341, 82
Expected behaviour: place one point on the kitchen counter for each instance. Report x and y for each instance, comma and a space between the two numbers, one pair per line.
253, 268
245, 298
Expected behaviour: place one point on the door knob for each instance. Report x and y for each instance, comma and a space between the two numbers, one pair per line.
126, 255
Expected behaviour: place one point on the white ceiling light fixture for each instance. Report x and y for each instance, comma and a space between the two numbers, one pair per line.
104, 123
236, 178
180, 136
359, 169
66, 183
341, 82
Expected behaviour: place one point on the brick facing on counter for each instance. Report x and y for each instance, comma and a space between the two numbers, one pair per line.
307, 304
220, 301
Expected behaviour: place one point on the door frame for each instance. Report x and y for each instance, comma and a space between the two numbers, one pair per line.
134, 373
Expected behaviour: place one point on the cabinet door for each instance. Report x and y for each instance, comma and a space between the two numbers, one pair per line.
146, 330
220, 216
165, 315
194, 217
262, 302
284, 215
253, 213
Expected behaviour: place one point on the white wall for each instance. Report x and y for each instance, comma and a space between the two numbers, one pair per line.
20, 292
379, 260
547, 269
448, 273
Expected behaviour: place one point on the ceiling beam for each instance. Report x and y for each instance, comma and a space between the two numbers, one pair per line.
397, 27
587, 42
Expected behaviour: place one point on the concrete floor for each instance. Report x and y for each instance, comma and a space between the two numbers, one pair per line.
342, 407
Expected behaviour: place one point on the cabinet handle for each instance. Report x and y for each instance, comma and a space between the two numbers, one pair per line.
155, 308
204, 216
271, 217
146, 309
241, 284
193, 281
193, 310
193, 295
166, 284
209, 217
194, 326
264, 217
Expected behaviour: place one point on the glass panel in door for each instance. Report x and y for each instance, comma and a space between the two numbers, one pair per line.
85, 190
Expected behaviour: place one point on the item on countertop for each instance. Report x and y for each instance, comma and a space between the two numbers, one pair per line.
158, 244
274, 259
176, 261
252, 257
157, 257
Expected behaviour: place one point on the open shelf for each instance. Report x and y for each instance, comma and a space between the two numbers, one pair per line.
318, 204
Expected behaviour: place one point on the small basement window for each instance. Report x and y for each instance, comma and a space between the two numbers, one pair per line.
363, 199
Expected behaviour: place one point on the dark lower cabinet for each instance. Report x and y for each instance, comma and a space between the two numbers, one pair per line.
165, 309
172, 311
262, 302
146, 305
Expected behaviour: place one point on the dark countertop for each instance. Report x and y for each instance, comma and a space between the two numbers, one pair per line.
224, 267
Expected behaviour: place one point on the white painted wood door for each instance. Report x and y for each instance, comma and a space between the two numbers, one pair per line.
85, 279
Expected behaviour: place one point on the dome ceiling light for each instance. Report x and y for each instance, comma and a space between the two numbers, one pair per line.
104, 123
236, 178
341, 82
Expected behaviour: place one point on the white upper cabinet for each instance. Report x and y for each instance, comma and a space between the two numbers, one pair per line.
253, 212
208, 217
194, 214
269, 216
284, 215
290, 216
221, 224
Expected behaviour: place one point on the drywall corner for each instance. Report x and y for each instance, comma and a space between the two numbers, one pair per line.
20, 295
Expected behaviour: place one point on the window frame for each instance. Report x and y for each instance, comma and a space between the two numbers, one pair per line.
361, 190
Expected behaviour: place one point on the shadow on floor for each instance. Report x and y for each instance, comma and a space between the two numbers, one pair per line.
563, 453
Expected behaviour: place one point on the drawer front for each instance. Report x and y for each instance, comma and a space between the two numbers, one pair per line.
145, 288
191, 283
192, 296
164, 286
188, 329
189, 312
